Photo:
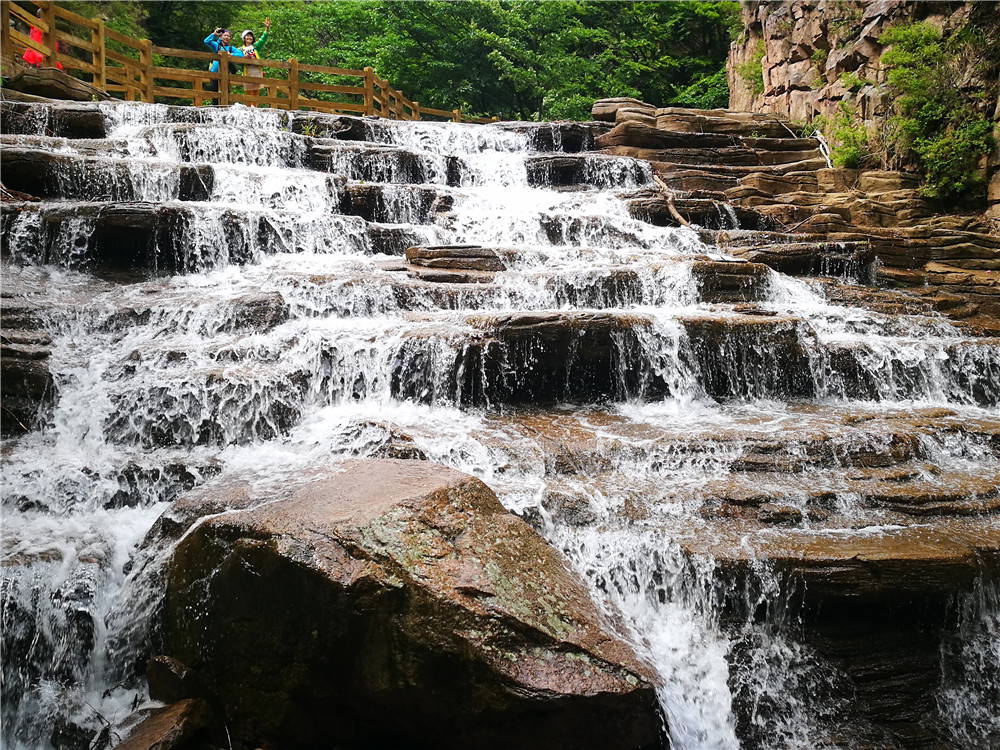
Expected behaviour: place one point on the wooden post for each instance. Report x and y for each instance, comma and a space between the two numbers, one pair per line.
197, 100
293, 84
6, 45
369, 91
49, 38
130, 89
224, 80
456, 115
97, 57
415, 111
146, 60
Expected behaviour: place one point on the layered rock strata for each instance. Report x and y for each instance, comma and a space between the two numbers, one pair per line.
816, 56
868, 225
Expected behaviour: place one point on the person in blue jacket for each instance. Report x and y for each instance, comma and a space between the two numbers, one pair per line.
216, 41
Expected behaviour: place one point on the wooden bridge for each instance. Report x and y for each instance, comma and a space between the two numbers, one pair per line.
138, 70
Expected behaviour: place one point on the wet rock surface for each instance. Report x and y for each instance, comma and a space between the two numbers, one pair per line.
785, 485
403, 599
876, 215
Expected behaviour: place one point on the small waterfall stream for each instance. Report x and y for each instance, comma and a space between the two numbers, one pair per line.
278, 328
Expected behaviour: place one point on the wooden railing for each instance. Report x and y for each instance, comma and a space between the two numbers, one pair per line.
137, 70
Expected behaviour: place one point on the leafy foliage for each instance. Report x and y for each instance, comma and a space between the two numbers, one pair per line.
512, 58
935, 122
752, 71
709, 92
852, 148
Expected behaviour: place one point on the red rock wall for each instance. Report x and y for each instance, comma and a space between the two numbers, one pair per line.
809, 46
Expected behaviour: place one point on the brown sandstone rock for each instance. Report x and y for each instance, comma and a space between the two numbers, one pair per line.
640, 115
26, 384
606, 109
721, 121
397, 601
48, 82
456, 257
62, 119
175, 727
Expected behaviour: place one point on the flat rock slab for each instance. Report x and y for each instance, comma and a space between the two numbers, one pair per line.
606, 109
722, 121
390, 601
49, 82
455, 257
62, 119
892, 561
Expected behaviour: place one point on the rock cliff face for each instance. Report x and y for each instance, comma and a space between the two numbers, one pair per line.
811, 52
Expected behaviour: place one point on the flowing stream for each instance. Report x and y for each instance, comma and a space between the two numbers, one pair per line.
168, 381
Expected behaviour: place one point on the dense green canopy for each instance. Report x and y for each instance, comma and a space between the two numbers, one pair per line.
512, 58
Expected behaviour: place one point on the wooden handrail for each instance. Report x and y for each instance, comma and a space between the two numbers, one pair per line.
148, 77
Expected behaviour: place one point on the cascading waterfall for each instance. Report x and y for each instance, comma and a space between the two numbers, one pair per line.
292, 337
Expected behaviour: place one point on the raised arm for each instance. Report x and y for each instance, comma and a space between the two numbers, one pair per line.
263, 37
212, 41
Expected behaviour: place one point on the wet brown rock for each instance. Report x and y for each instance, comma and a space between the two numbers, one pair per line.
392, 600
812, 258
26, 384
455, 257
372, 162
709, 214
563, 136
569, 169
748, 356
176, 727
323, 125
774, 514
259, 311
887, 562
170, 681
66, 120
46, 174
368, 200
730, 282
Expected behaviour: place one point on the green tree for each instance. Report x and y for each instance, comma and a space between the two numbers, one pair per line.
511, 58
935, 122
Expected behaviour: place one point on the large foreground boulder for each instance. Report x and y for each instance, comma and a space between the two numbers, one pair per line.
390, 603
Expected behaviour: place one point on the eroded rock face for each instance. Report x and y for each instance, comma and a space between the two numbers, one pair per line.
393, 601
724, 169
814, 52
26, 384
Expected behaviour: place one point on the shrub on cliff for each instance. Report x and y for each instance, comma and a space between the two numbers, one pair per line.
935, 122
